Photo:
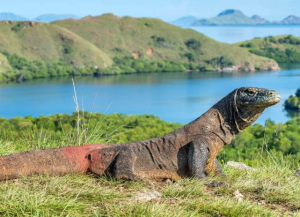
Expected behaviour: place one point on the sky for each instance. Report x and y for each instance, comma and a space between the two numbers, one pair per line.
167, 10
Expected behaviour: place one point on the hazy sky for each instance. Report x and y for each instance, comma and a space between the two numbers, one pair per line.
167, 10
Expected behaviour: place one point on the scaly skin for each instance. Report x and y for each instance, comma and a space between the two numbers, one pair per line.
186, 152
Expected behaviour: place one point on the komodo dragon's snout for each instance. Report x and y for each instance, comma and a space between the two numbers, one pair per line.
187, 152
257, 97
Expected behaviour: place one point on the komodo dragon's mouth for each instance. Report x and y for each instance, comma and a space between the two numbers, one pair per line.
272, 99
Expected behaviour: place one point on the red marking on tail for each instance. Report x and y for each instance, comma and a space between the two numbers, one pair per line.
77, 155
101, 159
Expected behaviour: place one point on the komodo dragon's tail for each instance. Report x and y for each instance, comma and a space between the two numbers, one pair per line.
58, 161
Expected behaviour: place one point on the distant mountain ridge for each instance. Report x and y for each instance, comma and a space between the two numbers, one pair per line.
230, 11
259, 20
44, 18
12, 17
232, 17
227, 17
48, 18
185, 20
292, 19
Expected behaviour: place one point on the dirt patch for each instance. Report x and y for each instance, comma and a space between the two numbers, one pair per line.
144, 196
67, 37
284, 208
136, 55
150, 52
7, 22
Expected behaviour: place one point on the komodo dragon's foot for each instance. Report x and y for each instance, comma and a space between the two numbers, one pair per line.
135, 178
215, 184
129, 177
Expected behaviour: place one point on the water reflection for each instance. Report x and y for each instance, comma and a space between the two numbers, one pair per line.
292, 113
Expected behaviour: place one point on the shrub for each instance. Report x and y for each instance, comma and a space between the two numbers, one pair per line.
193, 44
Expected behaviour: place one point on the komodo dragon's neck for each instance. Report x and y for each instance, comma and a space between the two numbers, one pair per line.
223, 120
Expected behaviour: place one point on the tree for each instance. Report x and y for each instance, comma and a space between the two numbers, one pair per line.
191, 57
193, 44
298, 92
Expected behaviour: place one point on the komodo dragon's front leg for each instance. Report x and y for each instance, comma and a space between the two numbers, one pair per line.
197, 158
200, 161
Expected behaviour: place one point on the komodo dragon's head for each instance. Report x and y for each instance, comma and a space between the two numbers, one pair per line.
250, 102
254, 98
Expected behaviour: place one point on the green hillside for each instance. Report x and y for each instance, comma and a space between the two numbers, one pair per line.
155, 40
111, 45
4, 64
283, 49
51, 43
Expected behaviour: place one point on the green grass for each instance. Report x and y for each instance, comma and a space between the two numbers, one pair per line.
4, 64
272, 190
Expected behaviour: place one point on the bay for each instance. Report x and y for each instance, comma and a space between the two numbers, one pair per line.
175, 97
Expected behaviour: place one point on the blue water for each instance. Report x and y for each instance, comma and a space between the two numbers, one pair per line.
176, 97
233, 34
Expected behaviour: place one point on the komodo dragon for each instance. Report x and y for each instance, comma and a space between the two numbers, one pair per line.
187, 152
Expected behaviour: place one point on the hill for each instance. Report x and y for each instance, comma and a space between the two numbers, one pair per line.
228, 17
259, 20
185, 21
48, 18
283, 49
291, 20
155, 40
11, 17
110, 45
50, 43
4, 64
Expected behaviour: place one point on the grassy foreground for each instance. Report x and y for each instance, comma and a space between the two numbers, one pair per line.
270, 190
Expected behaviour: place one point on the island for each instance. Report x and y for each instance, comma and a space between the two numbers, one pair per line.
293, 102
233, 17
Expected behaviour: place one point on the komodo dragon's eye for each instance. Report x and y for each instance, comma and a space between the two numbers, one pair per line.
251, 91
